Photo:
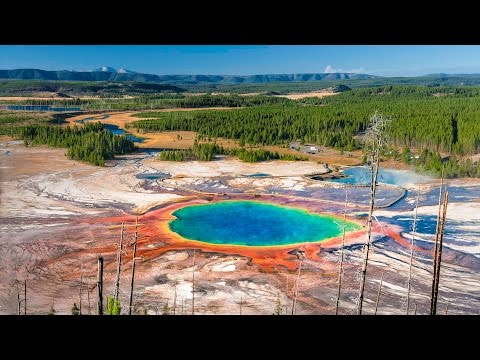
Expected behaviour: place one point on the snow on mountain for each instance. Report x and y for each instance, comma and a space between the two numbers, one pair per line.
106, 69
125, 71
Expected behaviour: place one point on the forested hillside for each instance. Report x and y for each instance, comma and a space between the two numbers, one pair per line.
72, 88
259, 125
441, 119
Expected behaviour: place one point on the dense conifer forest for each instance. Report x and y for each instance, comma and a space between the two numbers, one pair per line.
207, 152
90, 143
158, 101
441, 119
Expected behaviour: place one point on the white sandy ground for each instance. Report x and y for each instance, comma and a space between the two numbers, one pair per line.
461, 216
79, 190
86, 187
219, 291
318, 93
467, 211
234, 167
36, 196
288, 183
292, 183
256, 298
456, 281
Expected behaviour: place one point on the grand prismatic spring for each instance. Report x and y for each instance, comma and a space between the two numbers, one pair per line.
254, 224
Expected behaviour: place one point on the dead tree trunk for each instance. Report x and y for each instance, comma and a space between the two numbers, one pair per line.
286, 297
18, 298
25, 303
100, 286
193, 284
175, 298
81, 289
435, 251
377, 137
80, 301
366, 249
295, 291
378, 295
133, 267
433, 309
119, 264
411, 256
340, 271
88, 300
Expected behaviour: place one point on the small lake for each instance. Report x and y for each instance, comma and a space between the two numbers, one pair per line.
115, 130
91, 118
41, 108
260, 175
153, 176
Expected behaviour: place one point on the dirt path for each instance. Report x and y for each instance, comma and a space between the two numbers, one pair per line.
298, 96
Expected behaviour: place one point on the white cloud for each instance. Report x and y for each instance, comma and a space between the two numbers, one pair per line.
330, 69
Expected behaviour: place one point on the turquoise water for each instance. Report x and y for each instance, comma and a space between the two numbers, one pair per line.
153, 176
258, 175
114, 129
254, 223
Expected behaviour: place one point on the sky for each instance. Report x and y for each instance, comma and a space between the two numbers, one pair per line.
382, 60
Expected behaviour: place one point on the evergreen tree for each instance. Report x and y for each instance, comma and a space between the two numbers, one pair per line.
166, 309
113, 306
278, 307
75, 309
52, 310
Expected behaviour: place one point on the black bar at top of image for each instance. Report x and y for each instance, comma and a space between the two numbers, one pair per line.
239, 23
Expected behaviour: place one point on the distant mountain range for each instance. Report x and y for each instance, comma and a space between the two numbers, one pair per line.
106, 73
451, 75
248, 82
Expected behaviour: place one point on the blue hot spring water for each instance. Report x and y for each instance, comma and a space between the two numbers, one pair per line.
253, 223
